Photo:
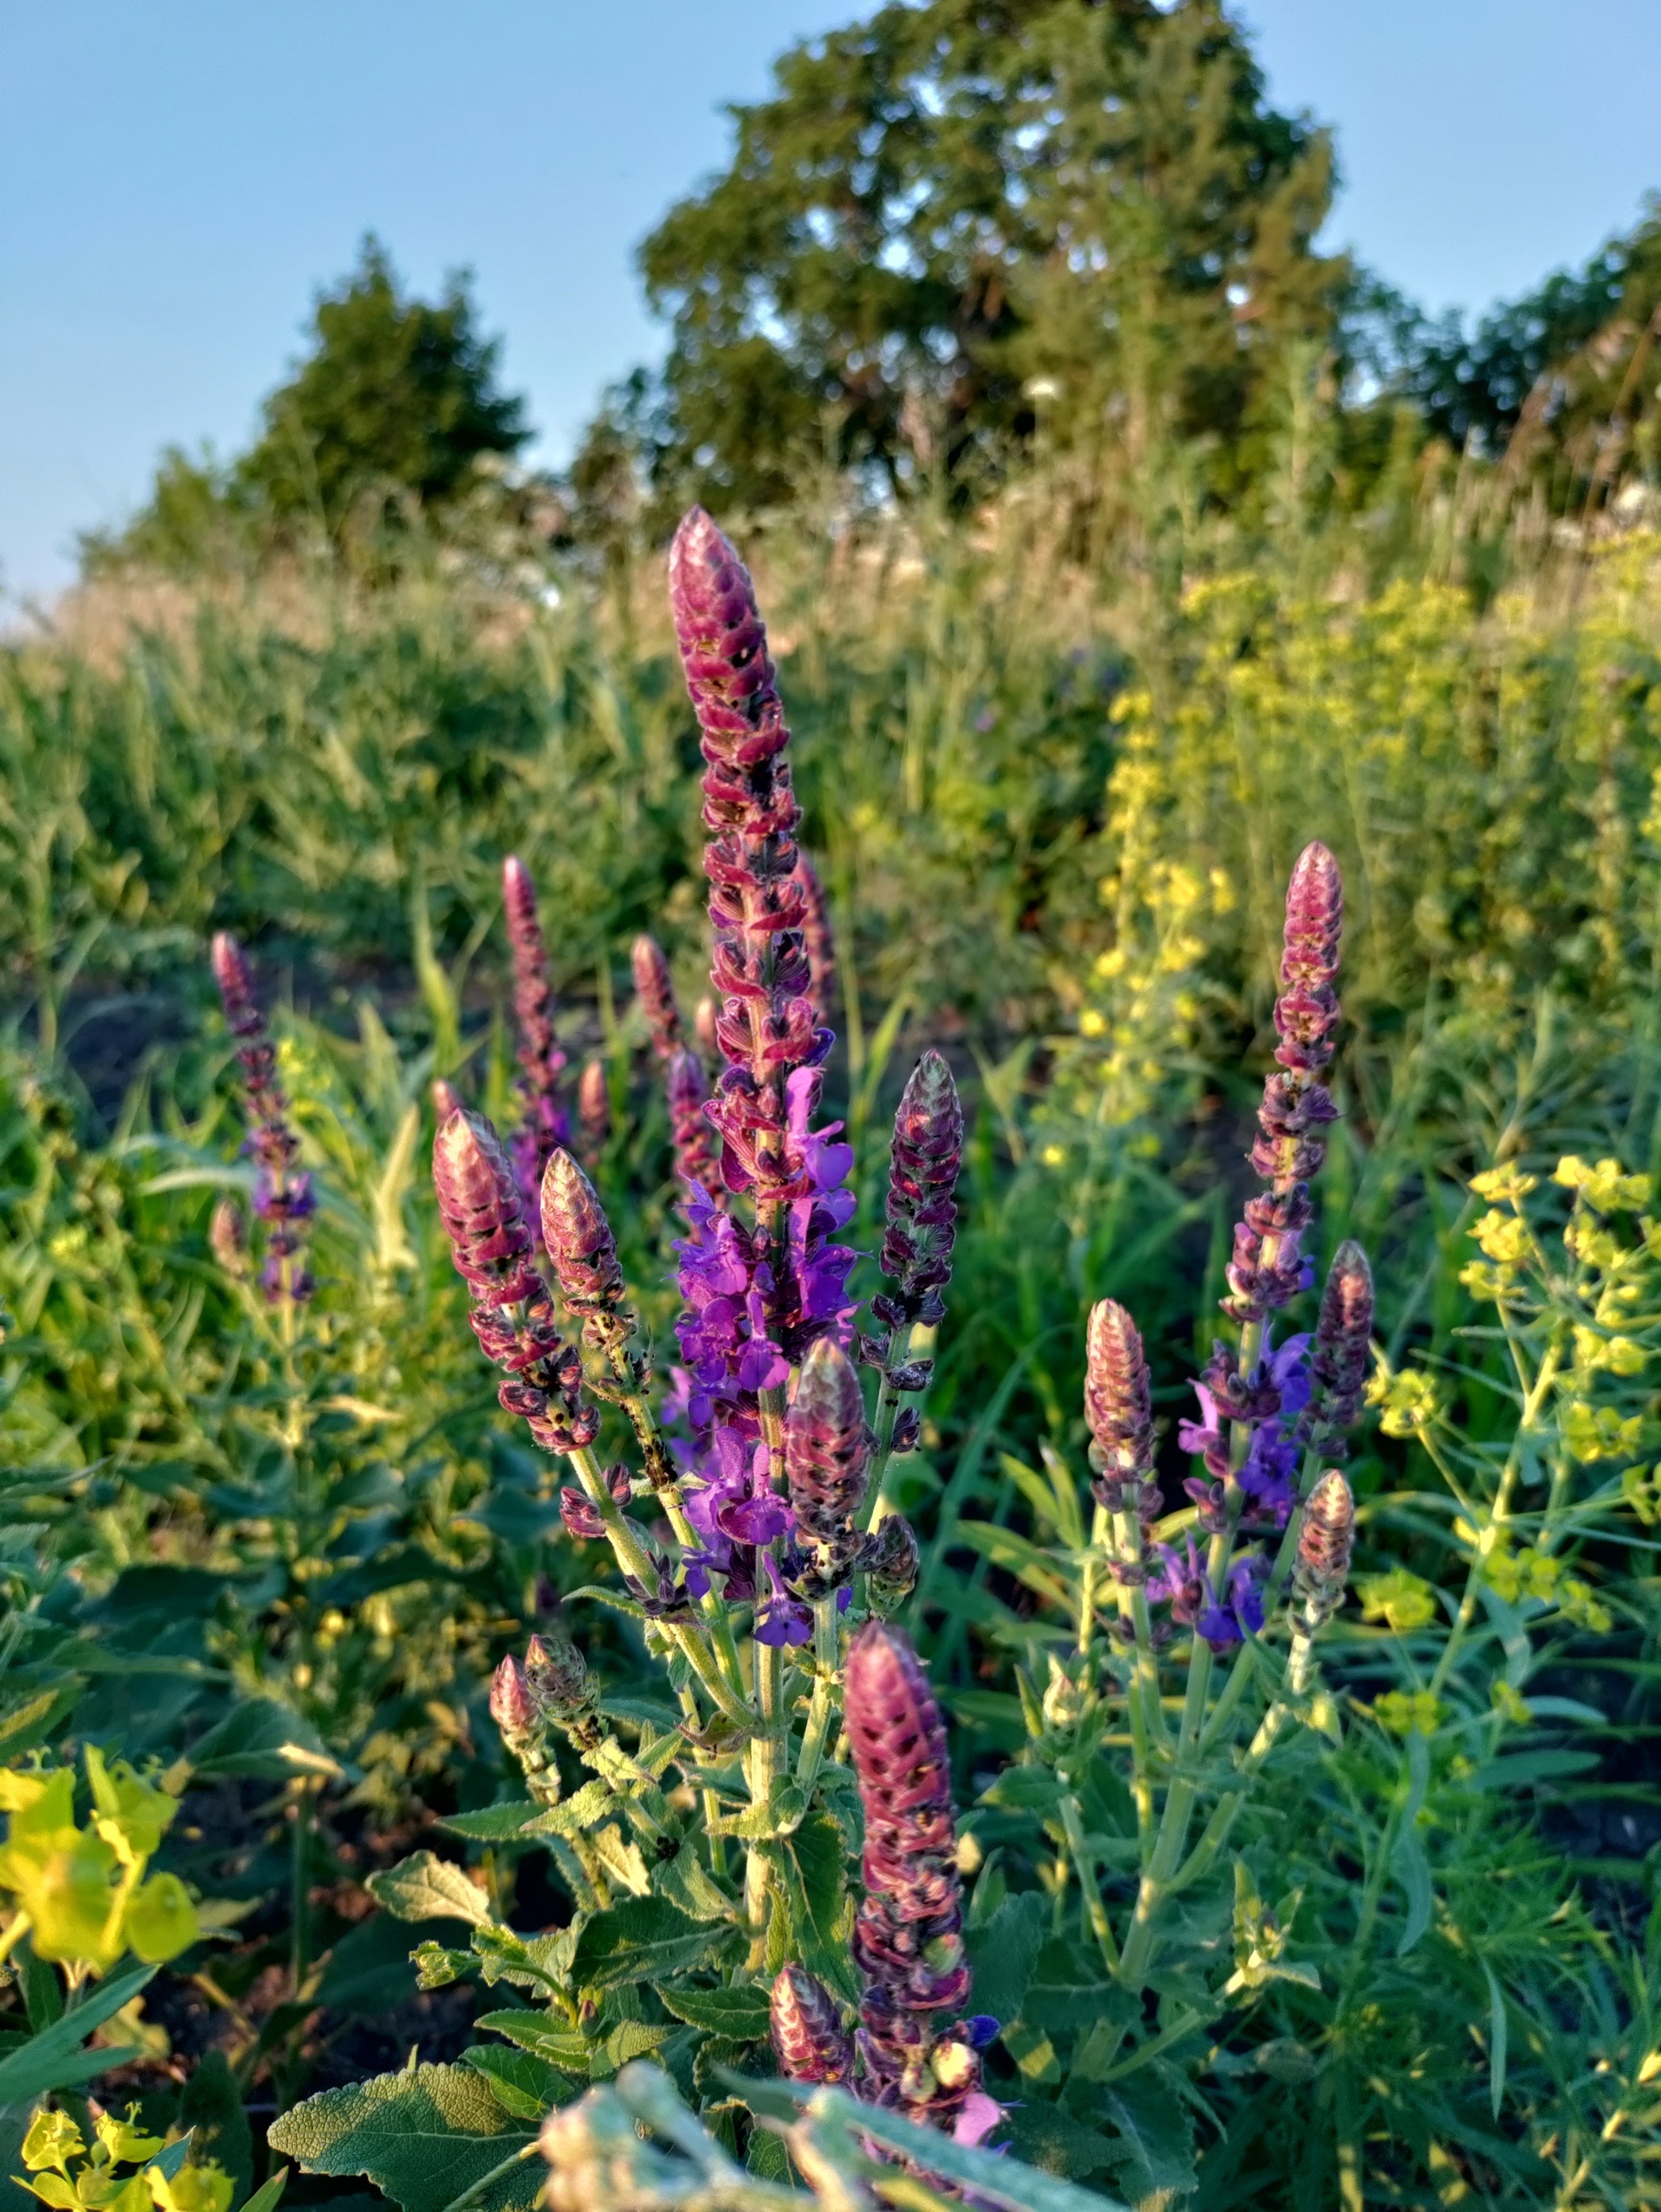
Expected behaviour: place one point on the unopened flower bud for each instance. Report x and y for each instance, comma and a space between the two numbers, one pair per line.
703, 1027
1117, 1404
512, 1707
809, 2036
927, 1153
1327, 1538
593, 1108
1343, 1335
890, 1563
555, 1676
228, 1238
654, 989
826, 1449
579, 1240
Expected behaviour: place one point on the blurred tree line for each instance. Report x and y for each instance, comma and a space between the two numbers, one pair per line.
959, 233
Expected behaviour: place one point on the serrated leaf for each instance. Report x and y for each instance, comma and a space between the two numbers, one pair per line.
683, 1881
1154, 2156
425, 1887
1003, 1952
534, 2032
525, 2086
620, 1861
494, 1823
1026, 1790
424, 2137
815, 1864
586, 1808
645, 1939
740, 2014
1067, 1988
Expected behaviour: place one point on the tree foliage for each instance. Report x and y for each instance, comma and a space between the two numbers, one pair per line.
949, 216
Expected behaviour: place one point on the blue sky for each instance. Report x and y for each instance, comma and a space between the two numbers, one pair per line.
177, 177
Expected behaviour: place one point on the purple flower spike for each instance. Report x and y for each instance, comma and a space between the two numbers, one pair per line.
915, 2052
826, 1450
654, 989
695, 1155
579, 1240
1268, 1269
809, 2036
593, 1110
764, 1026
282, 1197
1344, 1335
1118, 1409
1325, 1542
478, 1204
781, 1618
544, 1121
916, 1252
817, 937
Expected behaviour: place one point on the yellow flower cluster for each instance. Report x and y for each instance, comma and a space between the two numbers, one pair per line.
1402, 1600
1407, 1401
55, 2141
1542, 1577
82, 1891
1403, 1712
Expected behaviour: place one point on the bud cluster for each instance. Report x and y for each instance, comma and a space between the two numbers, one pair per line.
512, 1317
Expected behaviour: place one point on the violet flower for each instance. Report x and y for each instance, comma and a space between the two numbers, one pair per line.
809, 2036
1220, 1618
1271, 1402
544, 1121
282, 1196
655, 990
512, 1317
916, 2052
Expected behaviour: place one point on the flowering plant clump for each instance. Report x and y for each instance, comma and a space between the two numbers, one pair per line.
767, 1870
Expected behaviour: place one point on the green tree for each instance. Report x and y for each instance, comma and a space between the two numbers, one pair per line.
396, 397
952, 216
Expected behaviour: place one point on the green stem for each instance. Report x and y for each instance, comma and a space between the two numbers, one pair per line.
1086, 1865
819, 1708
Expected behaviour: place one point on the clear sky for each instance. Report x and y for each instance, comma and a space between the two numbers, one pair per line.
177, 177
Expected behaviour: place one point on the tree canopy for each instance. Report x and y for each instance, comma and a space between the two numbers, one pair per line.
952, 216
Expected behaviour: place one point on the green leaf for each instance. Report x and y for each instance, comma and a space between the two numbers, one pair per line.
1497, 2040
741, 2015
1521, 1768
594, 1802
525, 2086
813, 1862
1026, 1790
1003, 1952
211, 2108
54, 2060
268, 2194
31, 1722
645, 1939
423, 2137
425, 1887
1412, 1869
535, 2033
1050, 2138
494, 1823
261, 1741
1154, 2157
683, 1880
1067, 1991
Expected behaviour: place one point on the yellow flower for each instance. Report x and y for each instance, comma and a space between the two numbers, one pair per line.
1605, 1187
1502, 1237
1409, 1399
1093, 1023
1618, 1353
1401, 1599
1594, 1433
1504, 1186
1403, 1714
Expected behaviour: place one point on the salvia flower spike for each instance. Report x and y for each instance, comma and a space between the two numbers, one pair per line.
916, 2052
1118, 1409
695, 1161
479, 1203
578, 1240
594, 1109
921, 1214
283, 1197
818, 938
826, 1453
809, 2036
655, 990
764, 1026
544, 1121
1343, 1336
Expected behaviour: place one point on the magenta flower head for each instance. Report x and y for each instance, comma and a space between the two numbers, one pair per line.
916, 1252
1119, 1413
544, 1121
579, 1240
809, 2036
765, 1026
1343, 1336
826, 1449
914, 2050
816, 936
654, 989
1267, 1268
512, 1706
490, 1244
283, 1197
594, 1109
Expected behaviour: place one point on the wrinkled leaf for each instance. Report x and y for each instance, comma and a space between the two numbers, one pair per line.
425, 1887
423, 2137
